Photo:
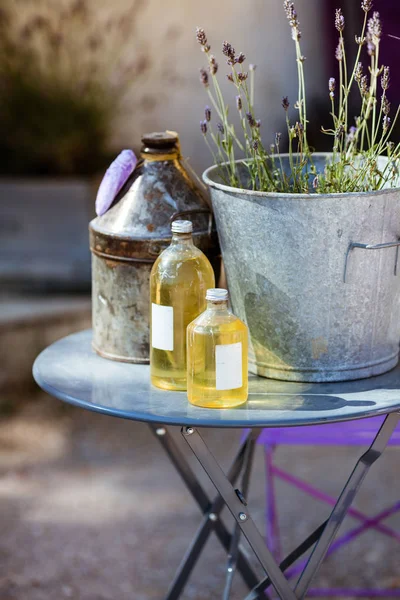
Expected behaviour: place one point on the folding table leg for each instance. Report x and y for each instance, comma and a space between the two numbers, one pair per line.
234, 547
344, 501
236, 506
210, 509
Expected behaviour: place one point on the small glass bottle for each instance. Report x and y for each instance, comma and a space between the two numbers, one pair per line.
179, 280
217, 363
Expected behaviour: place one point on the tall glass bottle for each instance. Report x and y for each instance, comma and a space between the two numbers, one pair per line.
178, 283
217, 362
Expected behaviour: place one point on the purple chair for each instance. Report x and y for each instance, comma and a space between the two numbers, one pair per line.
351, 433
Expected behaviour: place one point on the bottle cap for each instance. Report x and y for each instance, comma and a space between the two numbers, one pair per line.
160, 140
182, 227
217, 294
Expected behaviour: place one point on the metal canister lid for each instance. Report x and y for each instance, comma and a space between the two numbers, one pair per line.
160, 140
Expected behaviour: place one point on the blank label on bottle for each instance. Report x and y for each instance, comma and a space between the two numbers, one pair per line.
228, 366
162, 327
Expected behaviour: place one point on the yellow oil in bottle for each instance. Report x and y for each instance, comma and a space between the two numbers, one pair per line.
178, 283
217, 362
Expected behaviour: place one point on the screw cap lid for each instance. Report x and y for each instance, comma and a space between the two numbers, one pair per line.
217, 294
182, 226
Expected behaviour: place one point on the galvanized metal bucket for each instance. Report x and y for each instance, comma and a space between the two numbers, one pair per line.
315, 277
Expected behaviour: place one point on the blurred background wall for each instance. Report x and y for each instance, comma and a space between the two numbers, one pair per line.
171, 95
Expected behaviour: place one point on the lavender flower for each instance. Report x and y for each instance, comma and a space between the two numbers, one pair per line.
230, 77
360, 40
332, 85
385, 79
240, 59
375, 27
201, 36
285, 103
315, 182
359, 72
229, 51
339, 20
386, 123
278, 136
255, 145
385, 105
202, 39
252, 67
291, 16
203, 127
115, 177
242, 77
364, 85
351, 135
239, 102
207, 113
251, 120
213, 65
366, 5
374, 33
204, 77
221, 128
339, 51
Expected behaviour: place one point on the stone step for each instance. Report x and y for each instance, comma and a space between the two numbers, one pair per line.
27, 326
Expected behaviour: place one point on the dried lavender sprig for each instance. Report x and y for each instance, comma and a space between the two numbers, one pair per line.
385, 79
358, 72
291, 16
229, 51
204, 77
202, 39
285, 103
212, 65
339, 20
219, 104
251, 120
366, 5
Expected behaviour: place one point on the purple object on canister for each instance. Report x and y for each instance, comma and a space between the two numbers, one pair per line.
113, 180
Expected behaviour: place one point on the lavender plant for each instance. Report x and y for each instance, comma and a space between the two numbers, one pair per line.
355, 164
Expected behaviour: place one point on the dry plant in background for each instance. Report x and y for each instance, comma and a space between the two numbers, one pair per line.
357, 142
64, 71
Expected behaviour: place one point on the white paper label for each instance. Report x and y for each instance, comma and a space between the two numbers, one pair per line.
228, 366
162, 327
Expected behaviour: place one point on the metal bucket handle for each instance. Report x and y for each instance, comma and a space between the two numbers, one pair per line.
185, 213
353, 245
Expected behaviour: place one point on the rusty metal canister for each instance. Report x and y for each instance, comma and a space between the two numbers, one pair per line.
128, 238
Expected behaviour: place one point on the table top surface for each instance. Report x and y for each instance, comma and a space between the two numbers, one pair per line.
71, 371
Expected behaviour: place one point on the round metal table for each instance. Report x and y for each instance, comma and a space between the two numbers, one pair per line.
71, 371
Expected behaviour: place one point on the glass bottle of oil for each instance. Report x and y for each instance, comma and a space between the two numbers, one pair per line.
179, 280
217, 362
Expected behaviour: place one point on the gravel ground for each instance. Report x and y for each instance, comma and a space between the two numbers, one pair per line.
91, 509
